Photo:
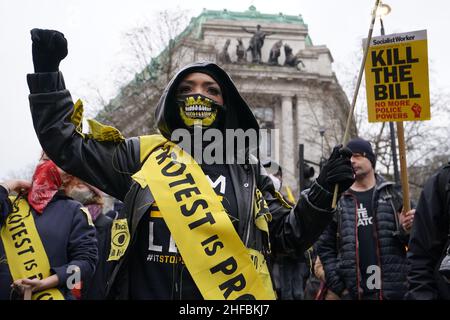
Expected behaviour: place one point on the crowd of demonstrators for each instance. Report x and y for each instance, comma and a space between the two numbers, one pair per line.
363, 250
47, 244
162, 210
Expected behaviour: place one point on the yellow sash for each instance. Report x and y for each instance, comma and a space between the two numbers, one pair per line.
24, 250
221, 266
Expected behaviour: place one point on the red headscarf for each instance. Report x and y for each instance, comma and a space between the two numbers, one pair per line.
45, 183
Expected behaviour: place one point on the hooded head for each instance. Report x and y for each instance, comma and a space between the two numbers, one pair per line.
200, 101
182, 105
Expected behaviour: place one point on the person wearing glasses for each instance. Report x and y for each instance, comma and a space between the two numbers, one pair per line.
363, 250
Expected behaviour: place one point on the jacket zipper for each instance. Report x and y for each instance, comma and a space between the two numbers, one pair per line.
251, 208
175, 280
358, 270
375, 234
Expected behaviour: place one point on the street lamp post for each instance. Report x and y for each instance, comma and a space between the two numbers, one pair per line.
382, 11
322, 158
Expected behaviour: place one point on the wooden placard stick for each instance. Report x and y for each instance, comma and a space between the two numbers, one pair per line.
355, 95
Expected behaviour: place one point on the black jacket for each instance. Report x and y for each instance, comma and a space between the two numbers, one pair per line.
429, 238
95, 288
109, 167
67, 237
340, 259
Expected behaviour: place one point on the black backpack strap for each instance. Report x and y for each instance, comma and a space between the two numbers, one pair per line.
394, 197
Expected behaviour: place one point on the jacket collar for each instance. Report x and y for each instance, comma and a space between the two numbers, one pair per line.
381, 183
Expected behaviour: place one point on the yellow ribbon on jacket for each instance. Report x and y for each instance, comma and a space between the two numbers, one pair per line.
120, 238
221, 266
97, 130
24, 250
289, 194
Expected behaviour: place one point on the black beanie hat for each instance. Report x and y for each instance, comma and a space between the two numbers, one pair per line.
358, 145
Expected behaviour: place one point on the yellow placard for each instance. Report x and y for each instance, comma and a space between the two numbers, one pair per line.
397, 84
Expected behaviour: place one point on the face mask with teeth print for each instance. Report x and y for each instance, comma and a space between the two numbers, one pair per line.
196, 109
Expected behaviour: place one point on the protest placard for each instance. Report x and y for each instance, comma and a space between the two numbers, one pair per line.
397, 84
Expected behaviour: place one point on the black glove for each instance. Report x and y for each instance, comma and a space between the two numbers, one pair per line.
49, 48
337, 170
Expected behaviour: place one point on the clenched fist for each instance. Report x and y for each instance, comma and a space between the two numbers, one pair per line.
337, 170
49, 48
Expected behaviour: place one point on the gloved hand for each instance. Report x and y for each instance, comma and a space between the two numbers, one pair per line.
49, 48
337, 170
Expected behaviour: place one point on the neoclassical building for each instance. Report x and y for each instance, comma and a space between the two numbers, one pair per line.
303, 101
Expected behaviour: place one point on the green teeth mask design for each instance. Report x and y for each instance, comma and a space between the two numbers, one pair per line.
198, 110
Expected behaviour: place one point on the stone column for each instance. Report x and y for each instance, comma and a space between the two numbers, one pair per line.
303, 126
303, 118
309, 120
288, 147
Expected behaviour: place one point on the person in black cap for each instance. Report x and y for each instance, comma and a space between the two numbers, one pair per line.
191, 229
363, 250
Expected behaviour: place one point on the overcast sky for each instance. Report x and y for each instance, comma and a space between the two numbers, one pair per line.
94, 30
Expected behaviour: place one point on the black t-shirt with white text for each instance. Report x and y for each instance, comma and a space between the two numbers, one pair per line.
157, 270
368, 262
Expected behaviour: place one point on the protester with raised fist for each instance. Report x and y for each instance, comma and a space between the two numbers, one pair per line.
192, 228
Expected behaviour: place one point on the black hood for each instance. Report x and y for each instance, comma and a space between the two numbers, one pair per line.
238, 115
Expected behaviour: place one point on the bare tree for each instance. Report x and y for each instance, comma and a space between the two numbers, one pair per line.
153, 51
149, 40
25, 173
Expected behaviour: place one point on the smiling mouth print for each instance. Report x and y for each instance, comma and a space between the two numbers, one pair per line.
197, 110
